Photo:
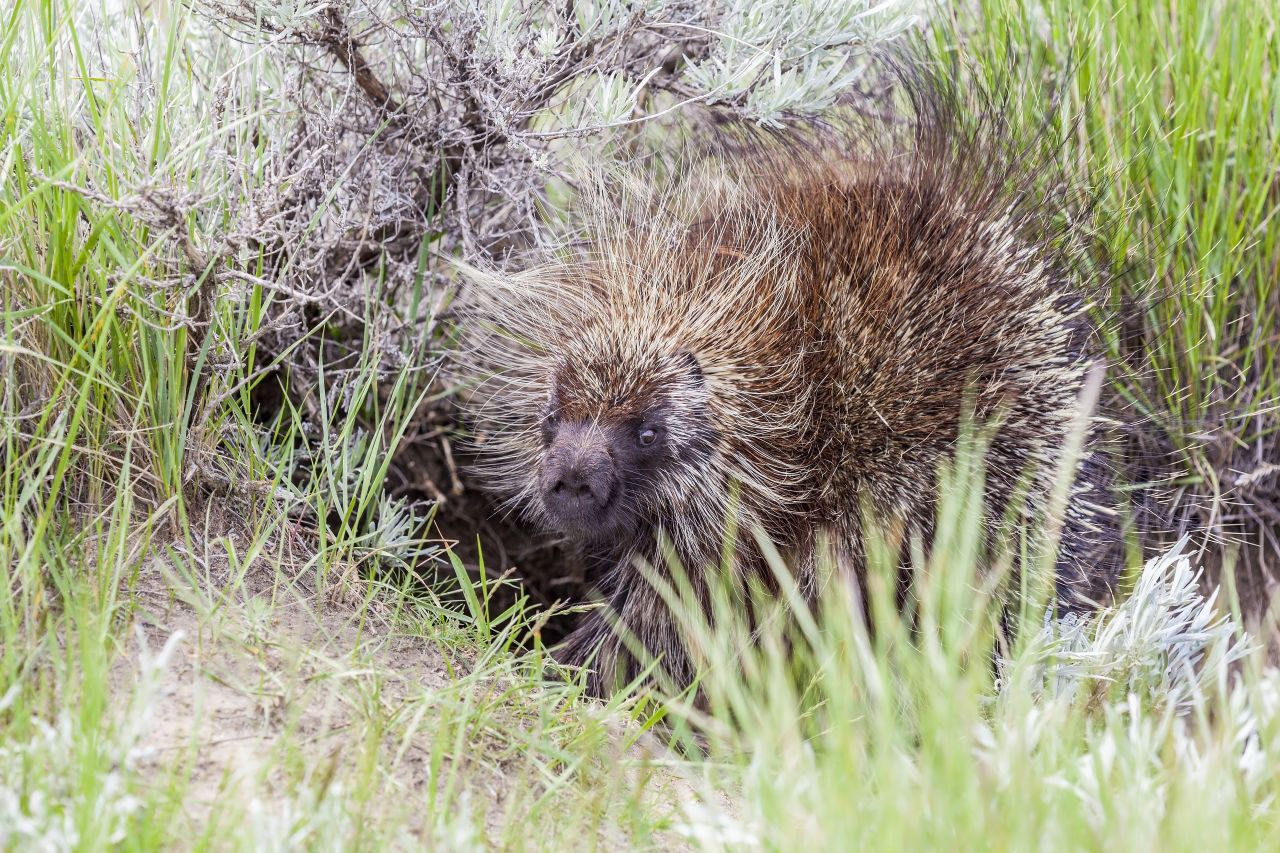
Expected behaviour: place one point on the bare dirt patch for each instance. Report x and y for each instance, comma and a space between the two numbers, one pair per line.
267, 672
275, 693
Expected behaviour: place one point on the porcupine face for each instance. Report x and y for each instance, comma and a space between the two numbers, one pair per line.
649, 383
625, 441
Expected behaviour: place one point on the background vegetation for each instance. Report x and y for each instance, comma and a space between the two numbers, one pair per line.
225, 620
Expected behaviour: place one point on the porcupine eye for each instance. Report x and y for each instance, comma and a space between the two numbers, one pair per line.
647, 436
550, 421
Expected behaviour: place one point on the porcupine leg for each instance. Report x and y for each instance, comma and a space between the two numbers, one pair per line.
603, 646
1091, 550
621, 639
593, 645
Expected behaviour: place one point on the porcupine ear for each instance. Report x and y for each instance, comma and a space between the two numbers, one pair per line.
691, 364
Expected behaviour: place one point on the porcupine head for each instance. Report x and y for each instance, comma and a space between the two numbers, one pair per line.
643, 394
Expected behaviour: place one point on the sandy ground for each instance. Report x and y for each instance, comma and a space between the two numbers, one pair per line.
266, 666
272, 682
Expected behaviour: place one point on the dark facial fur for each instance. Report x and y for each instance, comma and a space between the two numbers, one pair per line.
611, 465
599, 472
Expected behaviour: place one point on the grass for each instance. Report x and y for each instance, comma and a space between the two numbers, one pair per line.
1172, 117
216, 629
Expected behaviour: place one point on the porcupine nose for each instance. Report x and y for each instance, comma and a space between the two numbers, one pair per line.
578, 482
584, 484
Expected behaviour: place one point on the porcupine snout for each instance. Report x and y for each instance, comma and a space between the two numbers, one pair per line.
579, 478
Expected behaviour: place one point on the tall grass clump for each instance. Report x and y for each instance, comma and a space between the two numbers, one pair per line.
129, 360
1150, 727
131, 350
1170, 113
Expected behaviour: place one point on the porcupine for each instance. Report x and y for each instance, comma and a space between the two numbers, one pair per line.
787, 333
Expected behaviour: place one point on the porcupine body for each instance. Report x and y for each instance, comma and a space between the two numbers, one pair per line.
786, 334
